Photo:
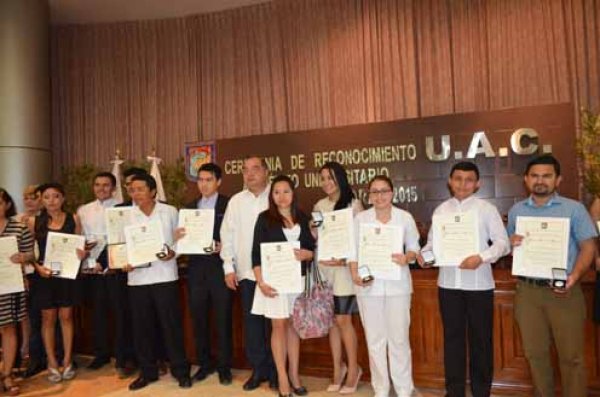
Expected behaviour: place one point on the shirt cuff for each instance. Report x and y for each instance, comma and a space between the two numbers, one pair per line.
228, 268
486, 256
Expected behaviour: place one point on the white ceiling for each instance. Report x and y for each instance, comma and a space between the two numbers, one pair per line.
98, 11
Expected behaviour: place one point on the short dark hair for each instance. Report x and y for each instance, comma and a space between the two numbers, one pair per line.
134, 171
113, 180
147, 178
11, 210
465, 166
263, 161
544, 159
382, 178
52, 185
212, 168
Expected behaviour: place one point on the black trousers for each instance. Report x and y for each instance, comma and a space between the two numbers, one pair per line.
109, 295
468, 315
207, 289
257, 333
157, 306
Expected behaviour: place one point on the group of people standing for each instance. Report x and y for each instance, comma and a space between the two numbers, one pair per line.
266, 211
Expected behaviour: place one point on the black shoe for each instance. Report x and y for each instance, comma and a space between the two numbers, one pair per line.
203, 373
140, 383
98, 363
253, 382
225, 377
285, 395
299, 391
185, 382
163, 368
33, 369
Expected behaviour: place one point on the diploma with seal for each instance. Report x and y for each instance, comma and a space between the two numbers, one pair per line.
455, 237
144, 241
280, 268
61, 254
376, 244
116, 220
545, 246
11, 275
199, 225
336, 235
117, 256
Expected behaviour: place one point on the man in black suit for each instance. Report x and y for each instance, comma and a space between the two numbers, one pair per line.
206, 283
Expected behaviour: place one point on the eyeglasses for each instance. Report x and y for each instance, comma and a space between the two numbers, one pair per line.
381, 192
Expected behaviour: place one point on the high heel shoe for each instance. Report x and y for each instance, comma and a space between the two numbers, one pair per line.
334, 387
352, 389
285, 395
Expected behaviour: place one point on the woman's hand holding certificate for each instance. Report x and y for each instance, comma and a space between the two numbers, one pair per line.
280, 268
11, 276
144, 241
377, 244
62, 256
336, 235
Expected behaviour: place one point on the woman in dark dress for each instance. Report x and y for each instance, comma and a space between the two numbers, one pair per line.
13, 306
56, 296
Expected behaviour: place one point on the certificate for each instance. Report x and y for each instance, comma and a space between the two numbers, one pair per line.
62, 248
11, 276
144, 241
280, 268
199, 225
90, 262
545, 246
116, 220
117, 256
336, 235
375, 247
455, 237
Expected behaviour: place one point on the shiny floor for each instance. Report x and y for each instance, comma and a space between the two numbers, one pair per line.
105, 383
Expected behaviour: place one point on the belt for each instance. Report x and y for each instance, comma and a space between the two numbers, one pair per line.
535, 281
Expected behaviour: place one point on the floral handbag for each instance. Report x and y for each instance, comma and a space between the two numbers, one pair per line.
312, 315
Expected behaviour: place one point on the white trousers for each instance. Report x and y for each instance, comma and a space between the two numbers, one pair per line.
386, 320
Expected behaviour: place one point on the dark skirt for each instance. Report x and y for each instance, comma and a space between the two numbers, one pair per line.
55, 292
13, 308
597, 299
345, 304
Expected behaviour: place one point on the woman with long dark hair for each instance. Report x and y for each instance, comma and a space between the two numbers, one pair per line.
13, 306
56, 296
281, 222
334, 182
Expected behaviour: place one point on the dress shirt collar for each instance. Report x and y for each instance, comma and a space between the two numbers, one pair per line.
463, 202
208, 202
261, 195
109, 203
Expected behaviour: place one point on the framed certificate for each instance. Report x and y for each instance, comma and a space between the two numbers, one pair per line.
144, 241
61, 253
116, 220
280, 268
11, 275
375, 247
545, 246
455, 237
336, 235
199, 225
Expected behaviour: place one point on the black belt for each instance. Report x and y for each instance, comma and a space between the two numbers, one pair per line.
535, 281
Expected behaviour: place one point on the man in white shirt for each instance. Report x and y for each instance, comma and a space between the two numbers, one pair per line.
466, 291
107, 288
154, 292
237, 233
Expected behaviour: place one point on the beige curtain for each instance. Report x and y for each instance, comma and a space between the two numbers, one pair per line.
303, 64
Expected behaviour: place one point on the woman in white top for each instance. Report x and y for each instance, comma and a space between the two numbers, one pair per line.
334, 182
281, 222
384, 302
